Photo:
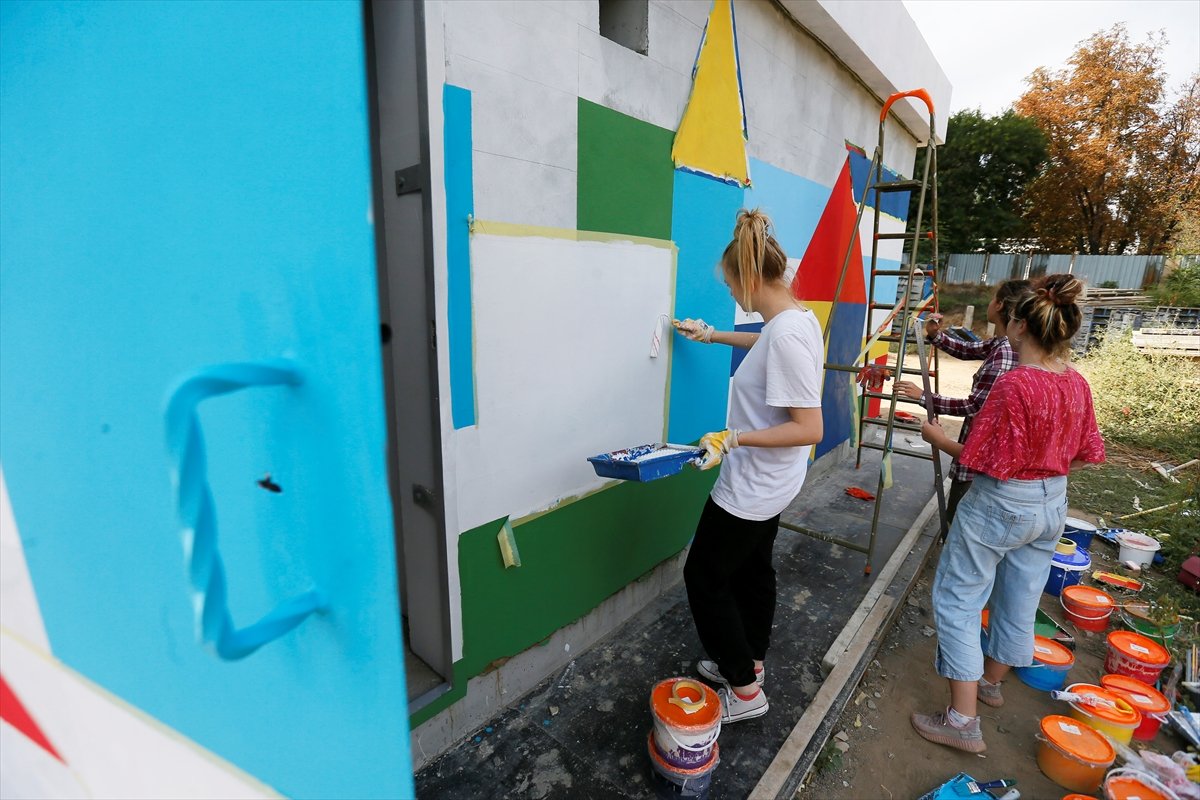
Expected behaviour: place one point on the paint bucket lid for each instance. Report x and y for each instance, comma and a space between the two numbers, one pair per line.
685, 704
1141, 696
1073, 562
1131, 787
1138, 541
1138, 647
1050, 653
1077, 740
1122, 714
1088, 597
1075, 524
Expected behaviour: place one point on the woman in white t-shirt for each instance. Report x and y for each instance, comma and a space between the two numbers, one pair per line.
774, 418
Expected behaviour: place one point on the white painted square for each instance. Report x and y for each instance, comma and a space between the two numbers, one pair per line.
562, 367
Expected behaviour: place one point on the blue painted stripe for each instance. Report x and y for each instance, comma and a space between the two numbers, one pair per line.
894, 203
702, 215
885, 285
794, 204
460, 207
739, 354
845, 340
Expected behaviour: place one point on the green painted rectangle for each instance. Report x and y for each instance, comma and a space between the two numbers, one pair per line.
625, 174
571, 560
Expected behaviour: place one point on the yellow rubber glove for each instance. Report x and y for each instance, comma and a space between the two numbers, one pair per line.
695, 329
716, 445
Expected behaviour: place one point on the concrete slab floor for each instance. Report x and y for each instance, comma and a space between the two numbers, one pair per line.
582, 732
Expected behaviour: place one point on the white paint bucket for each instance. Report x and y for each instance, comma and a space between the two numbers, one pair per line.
687, 722
1136, 547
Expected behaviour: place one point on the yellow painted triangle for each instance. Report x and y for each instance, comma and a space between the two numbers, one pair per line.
711, 138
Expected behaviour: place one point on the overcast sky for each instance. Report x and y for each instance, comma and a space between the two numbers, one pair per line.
989, 47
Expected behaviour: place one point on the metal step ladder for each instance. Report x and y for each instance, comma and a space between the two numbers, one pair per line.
900, 324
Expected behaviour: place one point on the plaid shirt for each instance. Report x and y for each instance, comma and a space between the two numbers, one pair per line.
998, 358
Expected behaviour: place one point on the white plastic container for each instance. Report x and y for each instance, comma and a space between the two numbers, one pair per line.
1137, 547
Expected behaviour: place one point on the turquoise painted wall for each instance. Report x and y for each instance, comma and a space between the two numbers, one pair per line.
188, 184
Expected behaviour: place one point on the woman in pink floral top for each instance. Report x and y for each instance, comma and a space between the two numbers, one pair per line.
1036, 425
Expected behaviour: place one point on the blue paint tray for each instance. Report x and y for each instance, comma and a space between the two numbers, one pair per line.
645, 462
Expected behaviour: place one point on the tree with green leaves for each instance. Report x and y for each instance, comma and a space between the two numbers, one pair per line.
1124, 169
983, 170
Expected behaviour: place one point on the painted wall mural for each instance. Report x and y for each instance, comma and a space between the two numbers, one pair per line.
712, 134
641, 189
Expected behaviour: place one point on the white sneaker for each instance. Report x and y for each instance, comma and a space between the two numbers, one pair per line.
735, 709
709, 671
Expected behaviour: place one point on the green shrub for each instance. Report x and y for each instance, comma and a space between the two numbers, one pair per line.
1109, 285
1180, 288
1145, 401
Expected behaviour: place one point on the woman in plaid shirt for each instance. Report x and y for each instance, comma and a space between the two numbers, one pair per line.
998, 358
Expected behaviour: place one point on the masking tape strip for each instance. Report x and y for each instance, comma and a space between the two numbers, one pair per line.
508, 545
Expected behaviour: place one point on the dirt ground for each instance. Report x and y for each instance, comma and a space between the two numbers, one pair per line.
886, 759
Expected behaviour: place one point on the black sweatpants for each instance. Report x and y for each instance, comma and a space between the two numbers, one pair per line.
731, 589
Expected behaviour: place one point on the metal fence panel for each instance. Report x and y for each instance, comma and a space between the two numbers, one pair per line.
965, 268
1126, 272
1005, 266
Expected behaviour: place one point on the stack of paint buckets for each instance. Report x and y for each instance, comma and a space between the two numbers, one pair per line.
1074, 755
1070, 562
683, 745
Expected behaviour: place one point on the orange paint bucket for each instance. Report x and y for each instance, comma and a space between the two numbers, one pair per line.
687, 721
1073, 755
1132, 784
1152, 703
1087, 607
1118, 720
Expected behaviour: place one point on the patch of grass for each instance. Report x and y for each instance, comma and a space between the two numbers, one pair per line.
1111, 490
1145, 401
954, 298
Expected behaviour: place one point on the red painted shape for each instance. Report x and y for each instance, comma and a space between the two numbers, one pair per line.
822, 263
12, 711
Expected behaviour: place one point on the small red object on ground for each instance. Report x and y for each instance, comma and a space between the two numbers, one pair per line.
861, 494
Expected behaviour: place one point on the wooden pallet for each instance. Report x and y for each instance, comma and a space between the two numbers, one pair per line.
1168, 341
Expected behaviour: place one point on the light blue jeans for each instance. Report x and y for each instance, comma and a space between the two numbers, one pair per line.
1001, 544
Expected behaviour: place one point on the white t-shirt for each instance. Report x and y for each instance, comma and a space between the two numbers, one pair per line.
782, 370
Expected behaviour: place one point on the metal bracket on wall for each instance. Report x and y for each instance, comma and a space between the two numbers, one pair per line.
409, 180
422, 496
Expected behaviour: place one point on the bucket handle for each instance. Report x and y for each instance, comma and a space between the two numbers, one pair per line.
694, 748
688, 706
1063, 603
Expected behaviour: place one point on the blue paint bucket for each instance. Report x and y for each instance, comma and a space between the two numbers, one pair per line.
1079, 532
1051, 663
1066, 570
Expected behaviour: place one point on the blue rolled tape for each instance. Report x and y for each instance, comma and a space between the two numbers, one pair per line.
197, 511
